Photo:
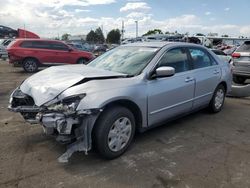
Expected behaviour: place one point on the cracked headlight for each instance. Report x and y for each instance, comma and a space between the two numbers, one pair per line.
67, 105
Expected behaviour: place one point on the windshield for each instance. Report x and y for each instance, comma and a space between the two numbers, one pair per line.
127, 60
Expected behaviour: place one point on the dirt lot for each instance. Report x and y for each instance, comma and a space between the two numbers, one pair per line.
200, 150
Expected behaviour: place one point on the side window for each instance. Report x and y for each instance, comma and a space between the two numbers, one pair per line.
176, 58
200, 58
59, 46
40, 44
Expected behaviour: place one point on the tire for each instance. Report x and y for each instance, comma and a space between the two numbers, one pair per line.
110, 139
217, 102
82, 61
30, 65
239, 79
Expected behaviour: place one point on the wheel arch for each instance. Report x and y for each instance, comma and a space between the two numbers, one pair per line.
31, 57
130, 105
224, 85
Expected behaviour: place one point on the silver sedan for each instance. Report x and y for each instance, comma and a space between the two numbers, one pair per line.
131, 88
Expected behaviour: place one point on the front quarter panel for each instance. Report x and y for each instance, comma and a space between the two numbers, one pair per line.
100, 93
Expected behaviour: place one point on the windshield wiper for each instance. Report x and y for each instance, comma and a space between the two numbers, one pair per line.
128, 76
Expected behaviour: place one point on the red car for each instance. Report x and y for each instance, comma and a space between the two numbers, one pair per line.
32, 53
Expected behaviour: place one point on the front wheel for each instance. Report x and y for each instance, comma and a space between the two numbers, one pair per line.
114, 132
30, 65
218, 99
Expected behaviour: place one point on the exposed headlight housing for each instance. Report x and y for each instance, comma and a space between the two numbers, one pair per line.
67, 105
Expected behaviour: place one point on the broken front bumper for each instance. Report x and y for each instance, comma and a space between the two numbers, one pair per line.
57, 122
75, 128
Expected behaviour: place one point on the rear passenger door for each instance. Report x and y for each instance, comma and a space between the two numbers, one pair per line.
61, 52
206, 73
41, 51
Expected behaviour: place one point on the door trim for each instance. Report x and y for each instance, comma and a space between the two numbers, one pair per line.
169, 107
181, 103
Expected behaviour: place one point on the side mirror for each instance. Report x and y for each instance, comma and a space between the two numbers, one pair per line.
164, 71
70, 49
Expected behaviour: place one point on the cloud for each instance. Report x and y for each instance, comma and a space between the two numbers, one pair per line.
62, 3
137, 6
245, 30
137, 15
227, 9
82, 10
207, 13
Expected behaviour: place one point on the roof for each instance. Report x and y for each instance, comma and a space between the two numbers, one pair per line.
38, 39
161, 44
149, 44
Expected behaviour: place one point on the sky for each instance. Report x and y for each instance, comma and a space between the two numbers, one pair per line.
52, 18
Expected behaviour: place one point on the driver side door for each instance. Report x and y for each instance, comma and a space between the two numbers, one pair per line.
171, 96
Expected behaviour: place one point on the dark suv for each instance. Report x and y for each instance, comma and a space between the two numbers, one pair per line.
32, 53
241, 63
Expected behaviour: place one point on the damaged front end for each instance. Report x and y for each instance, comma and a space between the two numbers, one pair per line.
59, 118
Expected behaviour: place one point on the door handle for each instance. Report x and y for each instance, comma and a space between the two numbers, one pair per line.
189, 79
216, 72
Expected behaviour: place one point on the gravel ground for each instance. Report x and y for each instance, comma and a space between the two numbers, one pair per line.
200, 150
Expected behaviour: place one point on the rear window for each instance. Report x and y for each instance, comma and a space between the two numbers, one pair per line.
26, 44
245, 47
35, 44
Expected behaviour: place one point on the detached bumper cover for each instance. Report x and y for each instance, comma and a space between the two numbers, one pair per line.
24, 109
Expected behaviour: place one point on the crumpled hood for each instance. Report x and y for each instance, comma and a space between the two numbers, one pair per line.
47, 84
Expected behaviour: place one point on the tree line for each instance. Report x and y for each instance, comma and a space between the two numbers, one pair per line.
97, 37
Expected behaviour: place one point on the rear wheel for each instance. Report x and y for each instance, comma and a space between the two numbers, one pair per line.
218, 99
30, 65
114, 132
239, 79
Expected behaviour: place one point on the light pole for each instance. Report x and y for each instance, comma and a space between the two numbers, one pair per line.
136, 28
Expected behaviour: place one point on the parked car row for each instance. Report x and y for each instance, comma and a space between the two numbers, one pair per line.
33, 53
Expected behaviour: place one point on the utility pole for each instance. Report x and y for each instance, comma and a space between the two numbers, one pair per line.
24, 30
136, 28
122, 31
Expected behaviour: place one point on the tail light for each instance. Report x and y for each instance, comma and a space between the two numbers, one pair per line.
236, 55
